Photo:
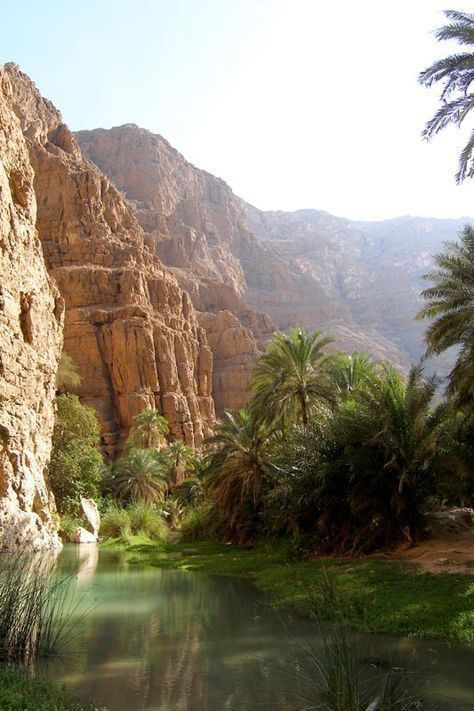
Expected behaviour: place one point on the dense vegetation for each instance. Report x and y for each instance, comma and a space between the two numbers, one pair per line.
340, 452
76, 464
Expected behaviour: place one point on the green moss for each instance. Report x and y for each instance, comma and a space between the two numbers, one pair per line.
369, 594
21, 692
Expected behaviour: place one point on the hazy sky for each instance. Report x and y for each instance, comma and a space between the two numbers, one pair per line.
295, 103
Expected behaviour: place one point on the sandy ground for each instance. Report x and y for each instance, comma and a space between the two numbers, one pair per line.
450, 554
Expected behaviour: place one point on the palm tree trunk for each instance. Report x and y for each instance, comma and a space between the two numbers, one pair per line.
304, 410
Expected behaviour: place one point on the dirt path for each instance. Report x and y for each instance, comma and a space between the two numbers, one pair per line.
452, 553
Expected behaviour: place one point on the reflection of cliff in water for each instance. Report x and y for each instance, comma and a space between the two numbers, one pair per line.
167, 640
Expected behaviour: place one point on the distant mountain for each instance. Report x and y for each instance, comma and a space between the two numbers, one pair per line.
358, 281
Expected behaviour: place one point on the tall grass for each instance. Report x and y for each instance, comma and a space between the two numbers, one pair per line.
341, 681
115, 523
199, 522
147, 520
138, 518
36, 610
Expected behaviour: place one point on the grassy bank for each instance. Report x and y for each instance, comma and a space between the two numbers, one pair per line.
367, 594
21, 692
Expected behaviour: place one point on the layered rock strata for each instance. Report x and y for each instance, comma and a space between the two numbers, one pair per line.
31, 314
130, 328
194, 225
359, 282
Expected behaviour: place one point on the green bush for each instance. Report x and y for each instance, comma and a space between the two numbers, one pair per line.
76, 463
199, 522
115, 523
189, 491
147, 520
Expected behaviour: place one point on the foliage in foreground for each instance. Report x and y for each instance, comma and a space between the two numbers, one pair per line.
450, 302
339, 682
76, 464
455, 74
35, 619
21, 692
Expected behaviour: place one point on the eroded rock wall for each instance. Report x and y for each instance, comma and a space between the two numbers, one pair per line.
210, 237
31, 313
130, 328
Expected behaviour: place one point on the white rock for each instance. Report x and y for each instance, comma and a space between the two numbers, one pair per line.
80, 535
92, 515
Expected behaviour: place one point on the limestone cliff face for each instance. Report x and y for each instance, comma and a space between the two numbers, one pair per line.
219, 251
194, 223
130, 328
360, 282
31, 313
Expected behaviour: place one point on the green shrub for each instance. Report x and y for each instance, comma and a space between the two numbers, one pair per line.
173, 511
190, 491
115, 523
76, 463
147, 520
199, 522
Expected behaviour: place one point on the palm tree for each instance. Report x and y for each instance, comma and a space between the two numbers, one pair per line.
456, 73
139, 476
178, 456
350, 372
450, 302
149, 429
238, 470
390, 445
360, 482
291, 376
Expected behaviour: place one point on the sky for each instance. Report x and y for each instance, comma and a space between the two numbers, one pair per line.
294, 103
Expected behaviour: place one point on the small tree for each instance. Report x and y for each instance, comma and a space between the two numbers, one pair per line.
149, 429
76, 464
291, 377
139, 477
178, 456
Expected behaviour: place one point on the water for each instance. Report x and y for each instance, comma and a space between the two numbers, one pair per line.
182, 641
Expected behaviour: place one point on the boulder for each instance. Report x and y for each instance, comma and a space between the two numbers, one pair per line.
91, 514
80, 535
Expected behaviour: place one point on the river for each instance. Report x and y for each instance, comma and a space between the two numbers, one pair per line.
183, 641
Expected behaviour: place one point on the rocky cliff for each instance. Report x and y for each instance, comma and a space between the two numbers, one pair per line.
358, 281
31, 313
194, 224
374, 268
130, 328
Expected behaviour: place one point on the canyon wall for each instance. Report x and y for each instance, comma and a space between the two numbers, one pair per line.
359, 282
194, 224
129, 327
31, 314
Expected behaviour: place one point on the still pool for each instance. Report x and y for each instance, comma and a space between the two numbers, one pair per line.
183, 641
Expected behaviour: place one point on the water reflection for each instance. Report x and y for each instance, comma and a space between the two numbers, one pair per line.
167, 640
